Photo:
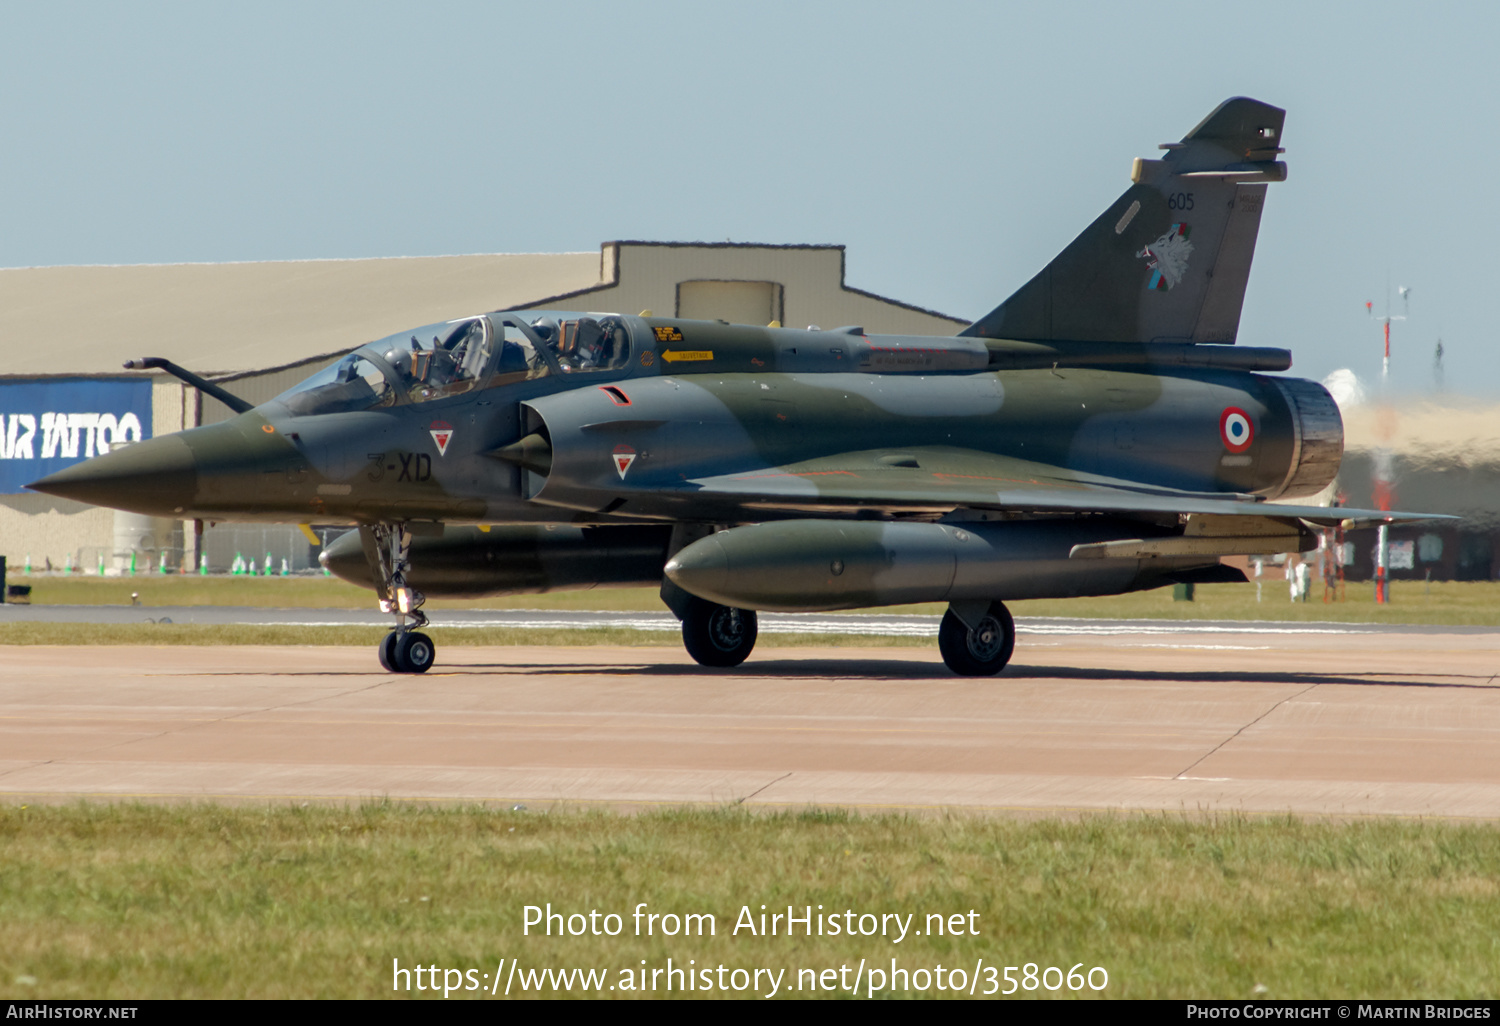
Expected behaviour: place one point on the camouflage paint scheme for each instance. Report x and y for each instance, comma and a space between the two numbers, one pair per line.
727, 440
1079, 439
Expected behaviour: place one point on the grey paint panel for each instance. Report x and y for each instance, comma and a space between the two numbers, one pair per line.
1219, 319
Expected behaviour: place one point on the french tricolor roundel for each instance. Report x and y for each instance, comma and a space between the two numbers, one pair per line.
1236, 430
442, 433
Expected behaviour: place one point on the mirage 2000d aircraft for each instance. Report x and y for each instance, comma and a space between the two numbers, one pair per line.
1096, 433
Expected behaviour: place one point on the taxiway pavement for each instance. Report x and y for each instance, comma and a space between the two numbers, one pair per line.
1259, 718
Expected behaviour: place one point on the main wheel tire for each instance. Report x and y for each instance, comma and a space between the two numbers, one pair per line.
414, 652
719, 636
983, 651
387, 652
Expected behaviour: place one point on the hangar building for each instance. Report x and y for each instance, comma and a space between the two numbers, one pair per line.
1443, 457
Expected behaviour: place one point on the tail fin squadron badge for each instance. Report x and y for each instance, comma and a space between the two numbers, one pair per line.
624, 456
1167, 257
442, 433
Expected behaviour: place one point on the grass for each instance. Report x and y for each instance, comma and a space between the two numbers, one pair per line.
1449, 603
208, 901
1442, 602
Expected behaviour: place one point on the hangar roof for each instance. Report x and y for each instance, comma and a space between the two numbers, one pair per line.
238, 318
221, 318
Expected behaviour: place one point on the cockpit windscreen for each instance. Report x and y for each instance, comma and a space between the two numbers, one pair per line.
418, 366
449, 359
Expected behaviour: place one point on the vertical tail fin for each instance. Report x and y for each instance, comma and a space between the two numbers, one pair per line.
1168, 261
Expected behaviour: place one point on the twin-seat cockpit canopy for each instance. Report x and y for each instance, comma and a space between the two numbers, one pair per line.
455, 357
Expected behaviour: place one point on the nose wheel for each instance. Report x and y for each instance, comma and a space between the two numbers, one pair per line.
406, 649
406, 652
981, 650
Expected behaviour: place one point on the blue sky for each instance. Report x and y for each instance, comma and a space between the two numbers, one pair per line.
953, 147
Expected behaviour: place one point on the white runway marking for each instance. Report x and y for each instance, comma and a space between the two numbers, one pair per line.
867, 624
1215, 648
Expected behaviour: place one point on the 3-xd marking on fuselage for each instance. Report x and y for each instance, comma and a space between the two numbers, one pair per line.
415, 466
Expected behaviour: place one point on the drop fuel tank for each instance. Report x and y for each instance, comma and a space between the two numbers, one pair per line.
517, 559
819, 565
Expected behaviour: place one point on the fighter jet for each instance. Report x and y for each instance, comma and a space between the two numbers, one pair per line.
1098, 432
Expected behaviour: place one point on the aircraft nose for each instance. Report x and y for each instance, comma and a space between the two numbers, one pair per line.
158, 477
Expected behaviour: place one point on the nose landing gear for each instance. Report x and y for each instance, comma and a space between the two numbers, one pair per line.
406, 649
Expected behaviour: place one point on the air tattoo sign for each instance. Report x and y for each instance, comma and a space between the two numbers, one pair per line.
46, 425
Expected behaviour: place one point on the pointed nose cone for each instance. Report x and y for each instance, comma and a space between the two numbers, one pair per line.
158, 477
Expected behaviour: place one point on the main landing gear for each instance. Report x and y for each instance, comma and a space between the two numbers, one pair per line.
979, 642
715, 635
406, 649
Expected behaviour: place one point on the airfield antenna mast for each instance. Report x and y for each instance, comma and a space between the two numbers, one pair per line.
1385, 322
1383, 468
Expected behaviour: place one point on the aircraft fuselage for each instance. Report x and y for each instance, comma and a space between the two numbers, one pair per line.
624, 445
